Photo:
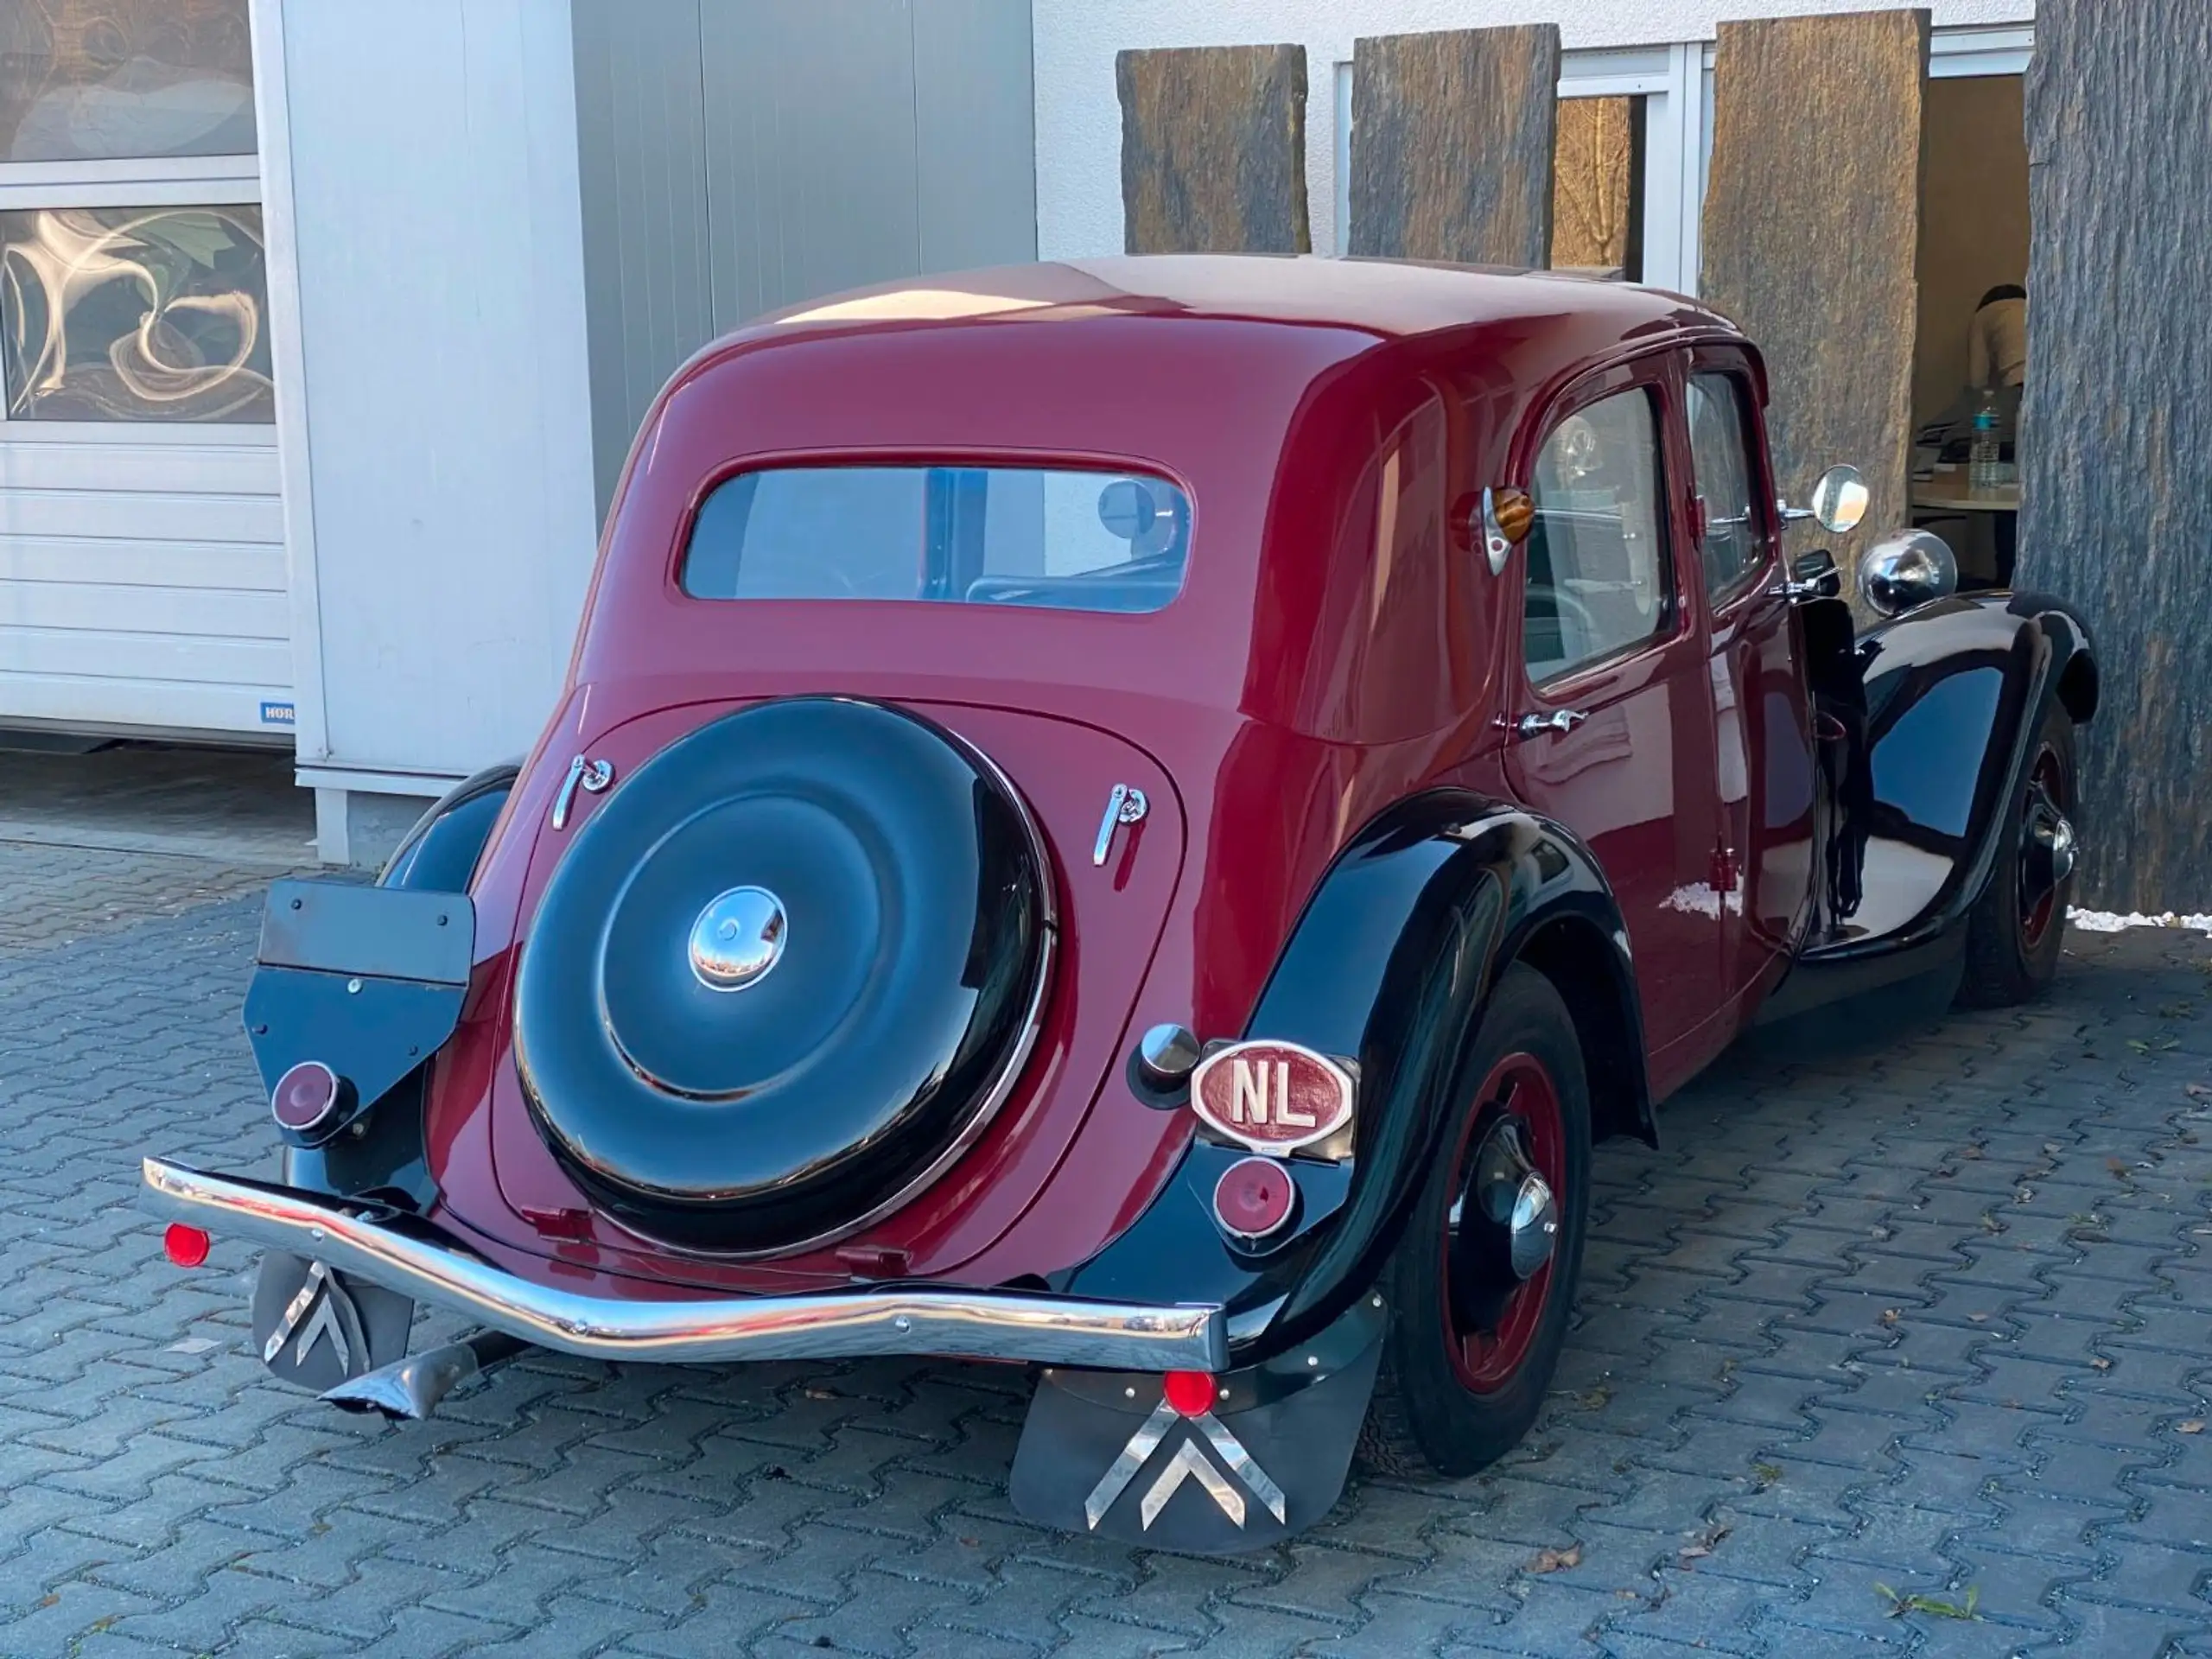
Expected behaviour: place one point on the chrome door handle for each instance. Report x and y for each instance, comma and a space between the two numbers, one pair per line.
1125, 804
1559, 720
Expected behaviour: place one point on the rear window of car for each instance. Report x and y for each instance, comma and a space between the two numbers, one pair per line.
1066, 539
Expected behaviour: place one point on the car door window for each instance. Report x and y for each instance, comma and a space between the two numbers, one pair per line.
1732, 543
1598, 582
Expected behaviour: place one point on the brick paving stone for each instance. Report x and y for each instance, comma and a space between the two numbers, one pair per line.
1845, 1327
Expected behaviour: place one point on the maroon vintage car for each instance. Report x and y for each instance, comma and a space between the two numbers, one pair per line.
1139, 818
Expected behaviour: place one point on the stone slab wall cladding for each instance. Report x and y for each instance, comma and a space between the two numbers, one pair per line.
1213, 149
1812, 225
2117, 496
1451, 150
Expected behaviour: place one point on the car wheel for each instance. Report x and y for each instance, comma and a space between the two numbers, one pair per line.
1482, 1283
2014, 933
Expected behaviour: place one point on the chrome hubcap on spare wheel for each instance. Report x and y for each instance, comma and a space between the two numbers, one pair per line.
738, 938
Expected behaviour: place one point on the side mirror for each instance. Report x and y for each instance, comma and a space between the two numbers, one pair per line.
1839, 501
1907, 570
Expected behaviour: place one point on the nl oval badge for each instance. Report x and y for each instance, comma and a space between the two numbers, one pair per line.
1272, 1097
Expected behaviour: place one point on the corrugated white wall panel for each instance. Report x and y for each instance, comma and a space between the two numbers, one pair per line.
437, 240
142, 579
119, 701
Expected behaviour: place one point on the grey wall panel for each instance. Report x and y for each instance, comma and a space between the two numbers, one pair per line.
975, 119
737, 155
641, 152
811, 149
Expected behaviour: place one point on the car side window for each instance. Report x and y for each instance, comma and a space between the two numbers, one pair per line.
1731, 544
1598, 582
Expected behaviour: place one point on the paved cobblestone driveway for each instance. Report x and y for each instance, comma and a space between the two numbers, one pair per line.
1937, 1316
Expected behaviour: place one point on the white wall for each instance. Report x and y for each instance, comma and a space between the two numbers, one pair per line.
142, 577
434, 403
1079, 121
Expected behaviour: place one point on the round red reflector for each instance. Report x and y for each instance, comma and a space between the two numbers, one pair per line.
305, 1096
1255, 1196
1190, 1392
185, 1246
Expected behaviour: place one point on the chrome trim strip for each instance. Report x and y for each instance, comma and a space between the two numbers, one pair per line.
910, 1320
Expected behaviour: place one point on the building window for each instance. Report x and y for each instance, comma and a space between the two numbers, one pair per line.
103, 80
135, 314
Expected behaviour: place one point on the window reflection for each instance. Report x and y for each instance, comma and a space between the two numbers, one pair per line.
1598, 187
104, 79
135, 314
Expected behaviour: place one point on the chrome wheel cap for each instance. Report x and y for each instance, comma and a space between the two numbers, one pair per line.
1534, 1226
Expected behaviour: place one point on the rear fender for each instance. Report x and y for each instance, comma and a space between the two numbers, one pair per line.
1391, 964
381, 1154
439, 854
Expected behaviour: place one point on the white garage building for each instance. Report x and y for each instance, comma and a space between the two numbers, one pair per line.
325, 326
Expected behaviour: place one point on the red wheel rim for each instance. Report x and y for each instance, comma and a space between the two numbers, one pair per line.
1487, 1354
2040, 889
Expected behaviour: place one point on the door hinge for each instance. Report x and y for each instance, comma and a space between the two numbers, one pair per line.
1726, 872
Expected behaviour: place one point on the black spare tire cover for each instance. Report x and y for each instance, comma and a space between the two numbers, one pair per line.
788, 967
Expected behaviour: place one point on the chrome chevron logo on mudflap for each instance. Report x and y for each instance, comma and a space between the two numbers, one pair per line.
1188, 1462
319, 1293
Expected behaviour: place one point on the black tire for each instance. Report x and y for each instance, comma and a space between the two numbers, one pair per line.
1424, 1415
2010, 957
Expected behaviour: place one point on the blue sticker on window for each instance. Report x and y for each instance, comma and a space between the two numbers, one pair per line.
278, 714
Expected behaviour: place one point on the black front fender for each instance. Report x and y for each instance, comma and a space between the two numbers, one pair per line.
1954, 695
1391, 964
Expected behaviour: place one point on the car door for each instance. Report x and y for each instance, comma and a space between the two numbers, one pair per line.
1613, 732
1762, 730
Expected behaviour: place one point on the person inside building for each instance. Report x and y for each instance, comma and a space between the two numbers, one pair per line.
1996, 346
1996, 362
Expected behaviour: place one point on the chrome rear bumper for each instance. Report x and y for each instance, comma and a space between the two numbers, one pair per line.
414, 1260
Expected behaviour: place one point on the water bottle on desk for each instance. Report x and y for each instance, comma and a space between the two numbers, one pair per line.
1984, 474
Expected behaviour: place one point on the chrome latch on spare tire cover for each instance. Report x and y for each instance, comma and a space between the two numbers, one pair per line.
593, 777
1125, 804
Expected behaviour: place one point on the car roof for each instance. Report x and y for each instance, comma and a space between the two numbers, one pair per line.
1267, 388
1389, 299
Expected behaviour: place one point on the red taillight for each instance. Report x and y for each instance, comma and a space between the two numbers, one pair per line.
1191, 1392
185, 1246
1255, 1196
305, 1097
